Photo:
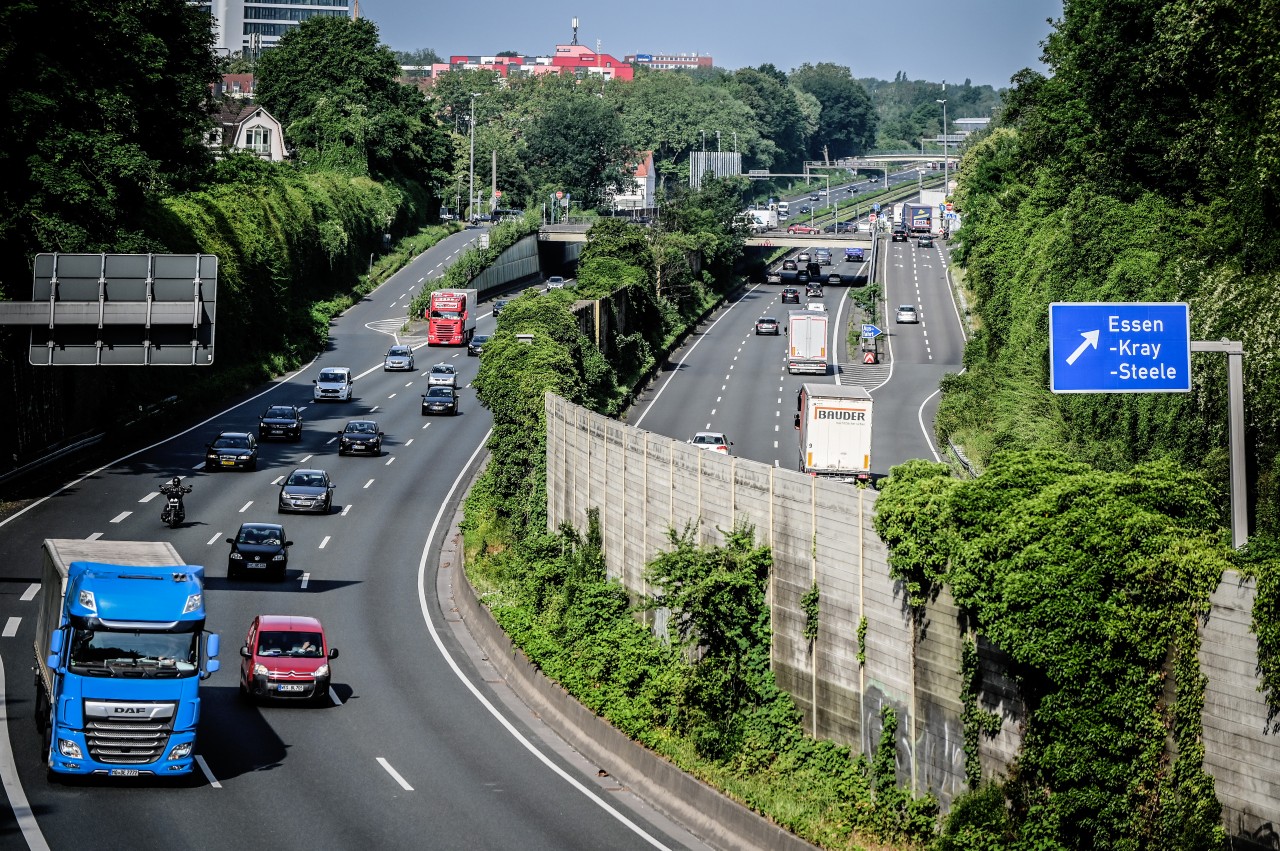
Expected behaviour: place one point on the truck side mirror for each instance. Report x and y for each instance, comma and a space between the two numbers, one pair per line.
210, 667
52, 661
212, 645
55, 642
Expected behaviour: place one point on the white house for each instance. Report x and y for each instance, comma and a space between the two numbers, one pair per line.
246, 127
639, 195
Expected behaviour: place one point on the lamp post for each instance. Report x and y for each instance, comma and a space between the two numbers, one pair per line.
718, 148
704, 141
471, 191
946, 182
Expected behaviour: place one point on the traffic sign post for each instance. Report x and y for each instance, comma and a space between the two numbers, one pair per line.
1140, 347
870, 332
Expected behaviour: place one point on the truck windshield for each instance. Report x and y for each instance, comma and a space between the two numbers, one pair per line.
446, 314
112, 653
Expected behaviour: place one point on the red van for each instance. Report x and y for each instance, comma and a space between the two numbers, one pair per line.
286, 657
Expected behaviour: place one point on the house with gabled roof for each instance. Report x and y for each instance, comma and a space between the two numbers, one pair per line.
638, 192
244, 126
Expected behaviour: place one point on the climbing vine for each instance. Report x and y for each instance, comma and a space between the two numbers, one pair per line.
975, 720
809, 604
862, 640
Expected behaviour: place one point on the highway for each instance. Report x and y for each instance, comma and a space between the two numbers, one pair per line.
421, 745
727, 379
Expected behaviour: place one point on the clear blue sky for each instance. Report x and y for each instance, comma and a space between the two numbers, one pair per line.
986, 41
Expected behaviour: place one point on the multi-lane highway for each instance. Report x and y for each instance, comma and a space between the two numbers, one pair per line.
420, 745
727, 379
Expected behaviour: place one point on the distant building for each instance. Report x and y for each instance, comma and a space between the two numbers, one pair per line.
569, 59
242, 126
250, 26
669, 61
639, 193
234, 86
965, 126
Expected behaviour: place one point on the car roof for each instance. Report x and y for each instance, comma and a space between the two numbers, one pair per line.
308, 470
716, 434
289, 623
335, 369
906, 307
447, 366
223, 434
259, 525
398, 349
363, 422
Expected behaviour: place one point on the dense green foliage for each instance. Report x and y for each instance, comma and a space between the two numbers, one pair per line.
1090, 581
908, 110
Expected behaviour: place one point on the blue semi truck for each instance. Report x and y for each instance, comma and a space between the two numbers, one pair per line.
120, 652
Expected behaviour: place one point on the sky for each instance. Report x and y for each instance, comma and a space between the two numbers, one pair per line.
985, 41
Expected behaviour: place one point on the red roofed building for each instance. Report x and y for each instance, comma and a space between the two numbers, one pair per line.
640, 194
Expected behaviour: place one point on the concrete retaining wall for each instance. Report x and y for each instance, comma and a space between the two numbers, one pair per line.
517, 263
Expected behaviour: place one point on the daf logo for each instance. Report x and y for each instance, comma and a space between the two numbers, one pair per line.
129, 710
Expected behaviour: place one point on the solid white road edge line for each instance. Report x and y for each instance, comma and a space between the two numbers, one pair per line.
493, 710
13, 786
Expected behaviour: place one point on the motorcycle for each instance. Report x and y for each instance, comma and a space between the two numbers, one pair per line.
173, 512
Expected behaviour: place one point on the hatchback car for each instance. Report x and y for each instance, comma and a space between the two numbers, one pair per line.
259, 548
499, 305
280, 421
232, 450
907, 314
713, 440
360, 436
803, 257
333, 383
802, 276
925, 241
286, 656
788, 265
790, 295
476, 347
834, 278
801, 229
306, 490
823, 256
442, 374
440, 400
766, 325
899, 233
805, 209
555, 282
398, 358
814, 289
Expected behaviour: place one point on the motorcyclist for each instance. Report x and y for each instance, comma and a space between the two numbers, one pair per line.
174, 488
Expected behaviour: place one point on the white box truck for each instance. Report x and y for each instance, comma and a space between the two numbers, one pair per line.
834, 422
807, 341
764, 220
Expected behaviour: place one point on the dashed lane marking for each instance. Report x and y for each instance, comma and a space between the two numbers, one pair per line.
11, 627
150, 496
325, 541
246, 506
30, 594
121, 516
213, 540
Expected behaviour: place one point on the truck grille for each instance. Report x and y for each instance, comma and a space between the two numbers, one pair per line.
128, 741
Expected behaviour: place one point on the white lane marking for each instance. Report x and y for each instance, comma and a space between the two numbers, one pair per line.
213, 540
306, 577
30, 594
779, 400
410, 384
95, 536
345, 509
775, 428
484, 701
246, 506
722, 386
775, 444
680, 364
150, 496
713, 413
392, 396
196, 467
409, 442
277, 480
374, 408
395, 775
366, 484
389, 460
718, 398
424, 425
333, 695
13, 786
122, 515
208, 775
775, 462
457, 354
325, 542
10, 628
306, 459
330, 440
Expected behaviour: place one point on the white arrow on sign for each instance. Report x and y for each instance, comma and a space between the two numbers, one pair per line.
1090, 339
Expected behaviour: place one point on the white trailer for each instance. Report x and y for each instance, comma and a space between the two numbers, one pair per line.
764, 220
834, 422
807, 341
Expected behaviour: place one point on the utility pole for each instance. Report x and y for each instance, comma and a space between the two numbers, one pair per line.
471, 197
946, 163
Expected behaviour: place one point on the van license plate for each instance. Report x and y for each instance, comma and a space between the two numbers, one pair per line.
124, 772
292, 687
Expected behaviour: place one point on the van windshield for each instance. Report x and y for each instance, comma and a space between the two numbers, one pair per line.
332, 377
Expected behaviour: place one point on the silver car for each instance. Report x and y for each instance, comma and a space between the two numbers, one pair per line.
442, 374
399, 358
306, 490
907, 313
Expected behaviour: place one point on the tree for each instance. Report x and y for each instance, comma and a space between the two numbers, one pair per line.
577, 146
108, 115
422, 56
847, 125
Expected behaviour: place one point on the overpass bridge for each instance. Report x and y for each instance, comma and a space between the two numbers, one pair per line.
770, 239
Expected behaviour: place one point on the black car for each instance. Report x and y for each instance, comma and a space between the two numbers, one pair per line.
899, 233
834, 278
360, 436
841, 227
259, 547
791, 295
280, 421
232, 450
805, 208
440, 399
802, 276
766, 325
476, 347
925, 241
498, 305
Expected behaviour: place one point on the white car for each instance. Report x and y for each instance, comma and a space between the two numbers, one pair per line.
333, 383
555, 282
713, 440
802, 257
907, 313
398, 357
442, 374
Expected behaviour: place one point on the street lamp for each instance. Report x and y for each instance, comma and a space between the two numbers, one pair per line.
704, 141
946, 182
735, 141
471, 196
718, 148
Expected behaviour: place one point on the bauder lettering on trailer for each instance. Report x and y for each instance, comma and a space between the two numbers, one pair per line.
858, 415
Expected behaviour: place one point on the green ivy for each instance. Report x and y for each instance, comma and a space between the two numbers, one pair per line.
809, 605
975, 721
862, 640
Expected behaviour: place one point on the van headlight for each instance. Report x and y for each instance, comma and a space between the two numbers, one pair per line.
322, 671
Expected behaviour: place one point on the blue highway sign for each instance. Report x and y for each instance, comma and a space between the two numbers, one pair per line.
1136, 347
870, 332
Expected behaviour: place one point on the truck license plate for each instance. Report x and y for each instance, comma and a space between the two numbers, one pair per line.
124, 772
291, 687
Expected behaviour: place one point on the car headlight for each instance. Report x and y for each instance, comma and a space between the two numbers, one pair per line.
322, 671
259, 670
243, 457
278, 557
69, 749
181, 751
236, 555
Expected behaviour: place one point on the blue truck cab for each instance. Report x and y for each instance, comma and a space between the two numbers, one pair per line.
120, 650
